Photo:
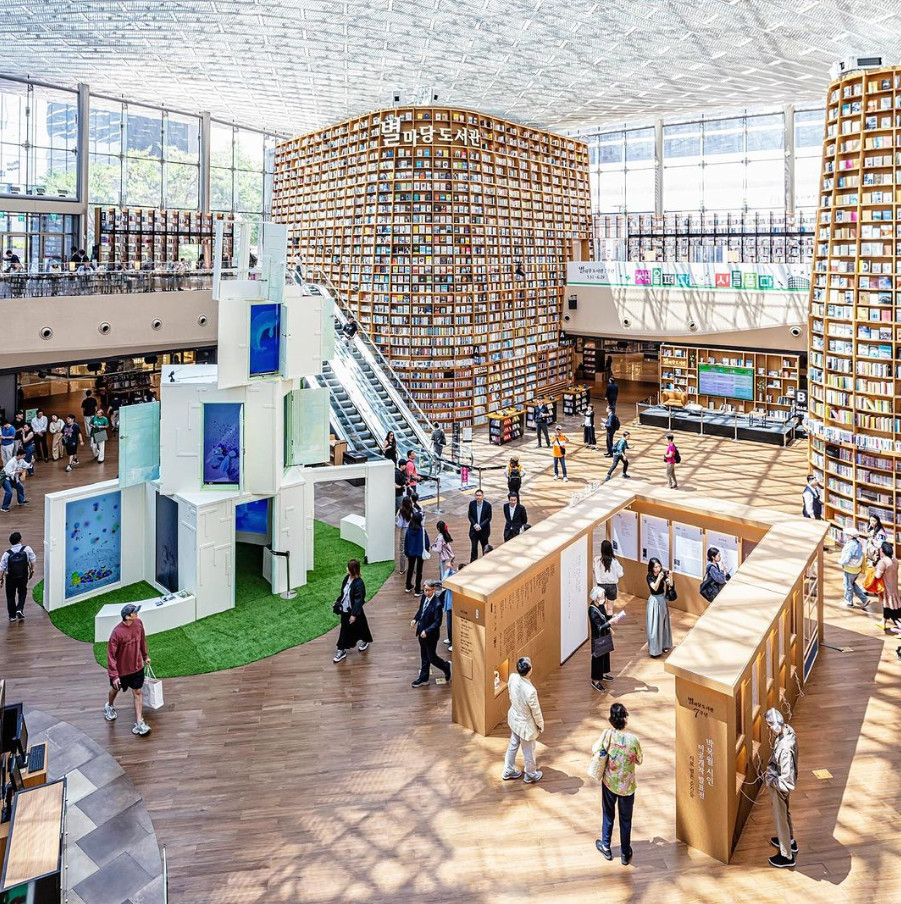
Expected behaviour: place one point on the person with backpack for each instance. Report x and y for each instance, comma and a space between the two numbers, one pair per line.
16, 570
611, 425
559, 450
542, 415
514, 476
715, 576
672, 458
851, 561
619, 455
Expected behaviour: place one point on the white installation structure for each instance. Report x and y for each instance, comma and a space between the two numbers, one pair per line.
231, 453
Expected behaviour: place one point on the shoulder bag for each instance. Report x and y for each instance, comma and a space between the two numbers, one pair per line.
670, 594
709, 587
599, 757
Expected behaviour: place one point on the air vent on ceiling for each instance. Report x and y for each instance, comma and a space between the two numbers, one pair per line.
848, 64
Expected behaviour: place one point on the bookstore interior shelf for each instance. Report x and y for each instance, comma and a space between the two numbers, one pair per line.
143, 235
447, 232
854, 328
742, 381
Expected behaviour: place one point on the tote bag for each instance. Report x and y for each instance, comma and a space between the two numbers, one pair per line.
599, 756
153, 690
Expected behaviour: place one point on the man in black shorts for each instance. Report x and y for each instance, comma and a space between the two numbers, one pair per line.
126, 656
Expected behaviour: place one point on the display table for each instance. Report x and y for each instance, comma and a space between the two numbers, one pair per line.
156, 616
33, 865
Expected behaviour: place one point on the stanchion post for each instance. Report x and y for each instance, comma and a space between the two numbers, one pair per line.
438, 495
287, 594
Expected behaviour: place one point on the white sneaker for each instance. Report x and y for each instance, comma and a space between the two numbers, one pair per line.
566, 480
141, 728
109, 713
363, 646
446, 642
556, 477
339, 655
68, 467
450, 649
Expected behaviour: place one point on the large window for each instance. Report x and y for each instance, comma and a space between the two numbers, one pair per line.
809, 125
38, 140
241, 162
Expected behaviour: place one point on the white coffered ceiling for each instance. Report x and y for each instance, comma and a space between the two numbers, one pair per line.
296, 65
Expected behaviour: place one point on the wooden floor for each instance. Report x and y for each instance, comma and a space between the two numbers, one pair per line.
295, 780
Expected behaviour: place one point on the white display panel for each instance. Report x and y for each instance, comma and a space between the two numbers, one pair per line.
624, 535
655, 540
727, 545
233, 352
307, 413
288, 536
262, 451
573, 597
688, 550
304, 333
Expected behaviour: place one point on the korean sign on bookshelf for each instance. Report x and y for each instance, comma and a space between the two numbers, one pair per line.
676, 275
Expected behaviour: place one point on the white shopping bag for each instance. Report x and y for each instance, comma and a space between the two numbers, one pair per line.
153, 690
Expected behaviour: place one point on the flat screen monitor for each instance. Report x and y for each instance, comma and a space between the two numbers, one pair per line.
727, 382
252, 522
265, 339
167, 542
10, 727
222, 444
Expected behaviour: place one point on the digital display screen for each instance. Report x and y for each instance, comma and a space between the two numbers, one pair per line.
93, 543
265, 339
222, 443
252, 517
728, 382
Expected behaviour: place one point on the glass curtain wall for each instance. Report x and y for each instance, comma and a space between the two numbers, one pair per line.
716, 164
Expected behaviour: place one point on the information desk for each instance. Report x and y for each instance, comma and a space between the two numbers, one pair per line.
156, 616
753, 647
33, 866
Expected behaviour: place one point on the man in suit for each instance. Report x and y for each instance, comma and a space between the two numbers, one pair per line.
611, 425
542, 415
612, 393
515, 517
479, 524
427, 624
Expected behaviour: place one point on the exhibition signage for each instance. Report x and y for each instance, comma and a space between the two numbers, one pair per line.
677, 275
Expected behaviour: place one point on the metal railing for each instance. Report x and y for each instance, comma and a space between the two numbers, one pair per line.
50, 284
316, 275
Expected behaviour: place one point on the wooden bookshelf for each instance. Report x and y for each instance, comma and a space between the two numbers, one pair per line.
854, 329
420, 217
771, 379
141, 234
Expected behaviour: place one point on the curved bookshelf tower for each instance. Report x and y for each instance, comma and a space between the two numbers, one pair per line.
855, 305
448, 232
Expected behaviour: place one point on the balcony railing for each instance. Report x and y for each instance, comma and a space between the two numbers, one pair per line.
48, 284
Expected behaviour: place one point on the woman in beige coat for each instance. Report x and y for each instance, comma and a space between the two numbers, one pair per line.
526, 723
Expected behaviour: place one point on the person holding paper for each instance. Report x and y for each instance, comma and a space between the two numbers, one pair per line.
660, 635
601, 638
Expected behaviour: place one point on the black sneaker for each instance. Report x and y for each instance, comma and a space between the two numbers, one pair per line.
20, 616
775, 843
447, 672
420, 682
625, 858
781, 862
607, 853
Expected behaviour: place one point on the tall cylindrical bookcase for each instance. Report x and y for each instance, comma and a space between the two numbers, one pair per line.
855, 327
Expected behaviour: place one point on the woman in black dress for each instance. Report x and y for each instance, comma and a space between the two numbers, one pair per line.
349, 604
390, 447
601, 641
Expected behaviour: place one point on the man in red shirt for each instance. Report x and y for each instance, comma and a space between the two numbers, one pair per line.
126, 656
670, 458
411, 472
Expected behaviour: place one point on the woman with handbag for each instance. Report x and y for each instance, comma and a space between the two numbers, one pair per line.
607, 571
416, 549
601, 639
887, 571
715, 576
99, 435
349, 605
660, 635
617, 753
443, 549
404, 515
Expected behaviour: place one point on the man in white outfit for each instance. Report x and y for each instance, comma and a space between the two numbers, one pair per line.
525, 721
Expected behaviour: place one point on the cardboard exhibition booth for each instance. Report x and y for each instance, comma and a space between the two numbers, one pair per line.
752, 648
226, 456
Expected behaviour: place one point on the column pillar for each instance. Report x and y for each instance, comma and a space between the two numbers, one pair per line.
658, 166
204, 163
789, 141
82, 160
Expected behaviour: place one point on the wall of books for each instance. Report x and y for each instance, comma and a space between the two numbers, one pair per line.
447, 233
855, 331
739, 380
140, 235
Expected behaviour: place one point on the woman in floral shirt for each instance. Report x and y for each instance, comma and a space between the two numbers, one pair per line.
618, 783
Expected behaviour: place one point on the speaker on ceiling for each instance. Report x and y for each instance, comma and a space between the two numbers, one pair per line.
573, 302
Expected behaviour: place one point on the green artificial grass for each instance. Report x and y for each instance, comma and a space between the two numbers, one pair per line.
260, 625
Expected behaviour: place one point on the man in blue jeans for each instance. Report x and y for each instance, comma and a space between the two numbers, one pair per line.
7, 441
14, 476
851, 561
619, 455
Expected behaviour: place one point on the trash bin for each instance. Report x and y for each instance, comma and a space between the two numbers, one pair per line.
356, 458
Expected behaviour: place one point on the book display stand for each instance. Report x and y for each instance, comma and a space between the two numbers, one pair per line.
447, 234
854, 331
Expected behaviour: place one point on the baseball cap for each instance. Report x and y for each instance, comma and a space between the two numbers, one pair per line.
128, 609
